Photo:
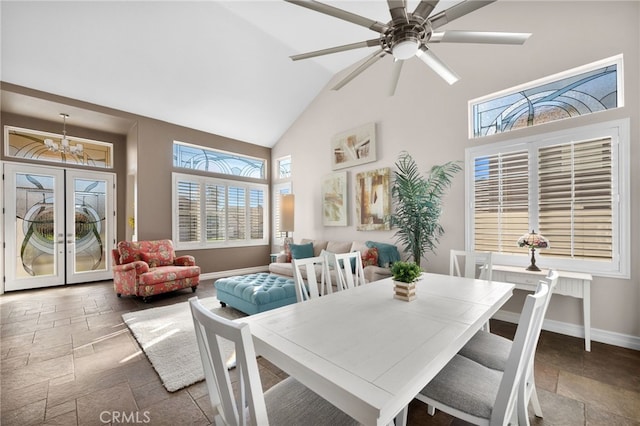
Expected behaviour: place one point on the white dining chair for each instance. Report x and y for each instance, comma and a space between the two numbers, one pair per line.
477, 264
481, 395
349, 270
286, 403
306, 279
492, 351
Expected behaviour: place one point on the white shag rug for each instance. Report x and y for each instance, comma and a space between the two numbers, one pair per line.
167, 337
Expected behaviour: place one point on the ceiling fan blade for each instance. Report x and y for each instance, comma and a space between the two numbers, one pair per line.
398, 10
358, 45
395, 75
341, 14
437, 65
424, 8
455, 12
490, 37
372, 59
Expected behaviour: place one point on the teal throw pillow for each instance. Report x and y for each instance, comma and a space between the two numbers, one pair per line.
387, 253
301, 251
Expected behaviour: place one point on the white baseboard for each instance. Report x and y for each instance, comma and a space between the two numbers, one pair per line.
597, 335
232, 272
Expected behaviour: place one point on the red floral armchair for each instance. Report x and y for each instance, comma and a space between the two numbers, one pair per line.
146, 268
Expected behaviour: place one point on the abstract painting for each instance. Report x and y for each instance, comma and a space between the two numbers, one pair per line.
353, 147
373, 200
334, 200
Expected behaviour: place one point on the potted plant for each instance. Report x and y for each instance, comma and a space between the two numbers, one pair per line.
417, 202
405, 275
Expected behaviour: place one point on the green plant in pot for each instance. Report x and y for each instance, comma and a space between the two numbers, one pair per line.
406, 272
417, 202
405, 275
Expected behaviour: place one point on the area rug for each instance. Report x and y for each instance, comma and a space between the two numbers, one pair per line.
167, 337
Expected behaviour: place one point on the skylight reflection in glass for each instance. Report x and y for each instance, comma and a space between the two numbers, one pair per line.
199, 158
578, 92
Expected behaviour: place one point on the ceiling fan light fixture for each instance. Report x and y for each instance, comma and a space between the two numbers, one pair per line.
405, 49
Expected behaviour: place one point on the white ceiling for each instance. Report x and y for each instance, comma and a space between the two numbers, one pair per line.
222, 67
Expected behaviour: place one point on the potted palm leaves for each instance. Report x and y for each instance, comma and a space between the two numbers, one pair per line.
417, 201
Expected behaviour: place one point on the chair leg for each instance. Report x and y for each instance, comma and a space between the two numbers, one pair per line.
119, 294
193, 289
431, 410
537, 409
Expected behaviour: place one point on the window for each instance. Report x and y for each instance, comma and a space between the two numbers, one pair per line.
196, 157
284, 167
216, 212
570, 186
278, 191
584, 90
43, 146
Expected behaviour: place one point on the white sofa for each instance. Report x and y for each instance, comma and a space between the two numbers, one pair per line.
371, 272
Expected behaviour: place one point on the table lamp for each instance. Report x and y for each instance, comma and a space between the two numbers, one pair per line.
534, 241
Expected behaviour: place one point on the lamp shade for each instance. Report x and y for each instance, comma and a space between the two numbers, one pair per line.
287, 203
533, 240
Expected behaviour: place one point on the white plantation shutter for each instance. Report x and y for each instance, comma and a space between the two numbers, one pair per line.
571, 186
215, 207
256, 214
211, 212
236, 214
278, 191
188, 194
575, 199
501, 207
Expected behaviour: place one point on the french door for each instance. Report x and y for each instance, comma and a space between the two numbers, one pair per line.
59, 225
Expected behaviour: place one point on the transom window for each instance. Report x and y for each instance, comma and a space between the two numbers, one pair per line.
51, 147
570, 186
584, 90
196, 157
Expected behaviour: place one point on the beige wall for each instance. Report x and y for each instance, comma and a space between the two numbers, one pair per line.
143, 163
155, 164
428, 118
118, 142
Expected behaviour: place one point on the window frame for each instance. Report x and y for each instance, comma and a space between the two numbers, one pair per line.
616, 60
227, 183
213, 151
619, 132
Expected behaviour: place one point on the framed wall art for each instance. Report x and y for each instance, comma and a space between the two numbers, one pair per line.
353, 147
334, 200
373, 200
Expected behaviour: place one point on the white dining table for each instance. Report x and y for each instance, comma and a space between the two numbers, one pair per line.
368, 353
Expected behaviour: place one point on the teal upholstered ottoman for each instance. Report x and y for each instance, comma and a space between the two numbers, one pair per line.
256, 293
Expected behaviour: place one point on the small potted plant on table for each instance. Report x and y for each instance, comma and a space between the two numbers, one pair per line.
405, 275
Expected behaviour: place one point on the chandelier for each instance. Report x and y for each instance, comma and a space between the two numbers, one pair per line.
65, 147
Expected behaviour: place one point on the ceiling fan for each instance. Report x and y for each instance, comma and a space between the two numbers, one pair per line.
408, 35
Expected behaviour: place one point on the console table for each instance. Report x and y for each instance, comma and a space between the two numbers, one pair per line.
572, 284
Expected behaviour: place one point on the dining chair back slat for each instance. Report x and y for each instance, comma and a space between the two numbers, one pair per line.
209, 329
473, 260
306, 280
349, 270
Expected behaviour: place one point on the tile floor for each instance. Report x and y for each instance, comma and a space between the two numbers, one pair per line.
67, 359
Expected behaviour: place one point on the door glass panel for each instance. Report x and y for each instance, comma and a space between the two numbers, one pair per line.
90, 226
35, 225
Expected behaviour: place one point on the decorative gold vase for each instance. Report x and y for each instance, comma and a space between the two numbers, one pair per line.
404, 291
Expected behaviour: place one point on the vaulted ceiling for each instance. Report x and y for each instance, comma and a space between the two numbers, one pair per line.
218, 66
